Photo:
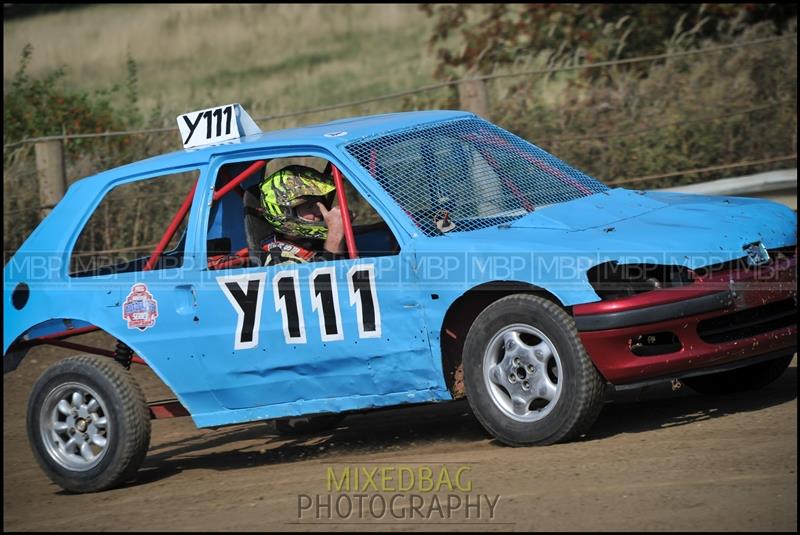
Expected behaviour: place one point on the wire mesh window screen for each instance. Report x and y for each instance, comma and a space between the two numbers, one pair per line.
477, 173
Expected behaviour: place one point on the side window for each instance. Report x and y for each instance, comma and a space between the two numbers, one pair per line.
126, 226
239, 234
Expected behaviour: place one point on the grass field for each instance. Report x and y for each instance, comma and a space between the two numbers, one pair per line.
272, 58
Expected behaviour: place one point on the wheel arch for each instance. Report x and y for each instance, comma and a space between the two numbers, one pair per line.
462, 314
21, 346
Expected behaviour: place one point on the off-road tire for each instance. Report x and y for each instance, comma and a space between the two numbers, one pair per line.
582, 387
128, 422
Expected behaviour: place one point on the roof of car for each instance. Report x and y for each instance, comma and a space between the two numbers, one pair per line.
338, 132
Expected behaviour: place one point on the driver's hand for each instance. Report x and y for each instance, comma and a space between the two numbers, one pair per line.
332, 217
333, 220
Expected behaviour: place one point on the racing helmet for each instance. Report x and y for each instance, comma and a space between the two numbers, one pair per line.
283, 191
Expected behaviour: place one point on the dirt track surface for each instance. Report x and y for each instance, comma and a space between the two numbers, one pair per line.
655, 460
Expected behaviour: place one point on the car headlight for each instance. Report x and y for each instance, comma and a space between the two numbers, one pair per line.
612, 280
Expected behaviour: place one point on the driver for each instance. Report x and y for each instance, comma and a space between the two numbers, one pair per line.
297, 203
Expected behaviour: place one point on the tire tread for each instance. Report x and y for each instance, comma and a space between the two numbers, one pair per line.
590, 391
135, 416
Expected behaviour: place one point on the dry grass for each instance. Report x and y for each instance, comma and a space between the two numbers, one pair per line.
273, 58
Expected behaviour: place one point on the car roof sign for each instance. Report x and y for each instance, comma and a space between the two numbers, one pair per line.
215, 125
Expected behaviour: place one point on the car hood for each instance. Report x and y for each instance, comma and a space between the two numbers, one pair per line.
634, 227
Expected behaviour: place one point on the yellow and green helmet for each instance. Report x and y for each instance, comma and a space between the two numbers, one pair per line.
283, 191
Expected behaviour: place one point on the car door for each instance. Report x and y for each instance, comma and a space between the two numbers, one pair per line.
314, 337
147, 301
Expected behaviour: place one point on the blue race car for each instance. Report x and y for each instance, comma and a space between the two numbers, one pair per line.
488, 268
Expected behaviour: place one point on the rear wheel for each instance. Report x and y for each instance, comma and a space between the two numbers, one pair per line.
741, 379
527, 375
88, 424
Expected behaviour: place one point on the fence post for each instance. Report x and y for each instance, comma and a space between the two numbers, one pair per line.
472, 96
51, 173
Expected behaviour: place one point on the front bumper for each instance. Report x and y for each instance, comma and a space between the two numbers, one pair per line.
732, 314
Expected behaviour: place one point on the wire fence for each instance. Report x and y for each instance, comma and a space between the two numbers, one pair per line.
705, 169
683, 121
639, 132
423, 89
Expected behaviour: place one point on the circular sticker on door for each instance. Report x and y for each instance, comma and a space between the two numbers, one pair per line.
140, 308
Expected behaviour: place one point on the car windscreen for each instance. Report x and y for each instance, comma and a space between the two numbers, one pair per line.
469, 173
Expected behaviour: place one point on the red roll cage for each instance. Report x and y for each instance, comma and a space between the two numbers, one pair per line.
173, 408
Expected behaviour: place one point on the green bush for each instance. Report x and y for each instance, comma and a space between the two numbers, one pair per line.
690, 112
48, 106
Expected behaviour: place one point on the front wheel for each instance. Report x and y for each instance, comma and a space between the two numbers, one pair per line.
528, 378
88, 424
